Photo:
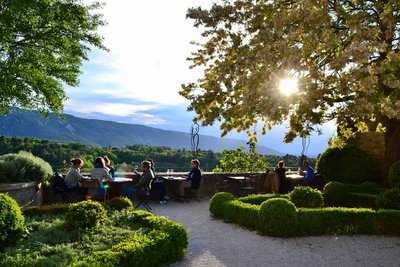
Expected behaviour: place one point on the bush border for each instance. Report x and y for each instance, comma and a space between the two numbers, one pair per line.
312, 221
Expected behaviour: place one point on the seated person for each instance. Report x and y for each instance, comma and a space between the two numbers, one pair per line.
145, 180
280, 171
110, 168
101, 174
158, 184
74, 174
309, 174
194, 178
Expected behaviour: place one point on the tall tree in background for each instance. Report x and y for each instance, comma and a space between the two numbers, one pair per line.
345, 54
42, 45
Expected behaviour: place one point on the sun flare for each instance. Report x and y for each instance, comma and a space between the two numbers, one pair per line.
288, 86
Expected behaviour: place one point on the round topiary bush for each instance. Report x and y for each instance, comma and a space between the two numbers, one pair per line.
335, 194
12, 222
85, 215
120, 203
217, 201
24, 167
389, 199
349, 165
306, 197
278, 217
394, 174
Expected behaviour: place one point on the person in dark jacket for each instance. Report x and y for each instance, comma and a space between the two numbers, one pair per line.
280, 171
195, 175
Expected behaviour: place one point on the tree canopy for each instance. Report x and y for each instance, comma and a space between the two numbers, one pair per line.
239, 160
345, 55
42, 45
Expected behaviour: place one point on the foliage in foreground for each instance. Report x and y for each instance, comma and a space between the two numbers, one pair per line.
24, 167
394, 174
12, 222
305, 221
127, 238
85, 215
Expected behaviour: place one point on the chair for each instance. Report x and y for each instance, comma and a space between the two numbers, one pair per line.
222, 186
143, 198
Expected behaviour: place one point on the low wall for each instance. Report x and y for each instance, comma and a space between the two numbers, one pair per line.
26, 194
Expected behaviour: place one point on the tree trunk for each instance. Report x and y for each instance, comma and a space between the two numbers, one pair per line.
392, 146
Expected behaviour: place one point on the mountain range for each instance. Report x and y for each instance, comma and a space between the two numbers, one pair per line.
107, 133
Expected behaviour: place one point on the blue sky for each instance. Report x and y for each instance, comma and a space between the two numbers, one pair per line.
138, 80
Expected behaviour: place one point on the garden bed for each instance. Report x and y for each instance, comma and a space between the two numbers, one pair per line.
279, 217
126, 238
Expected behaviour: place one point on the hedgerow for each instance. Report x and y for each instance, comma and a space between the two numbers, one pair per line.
128, 237
279, 217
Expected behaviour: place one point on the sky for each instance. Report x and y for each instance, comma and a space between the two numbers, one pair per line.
138, 79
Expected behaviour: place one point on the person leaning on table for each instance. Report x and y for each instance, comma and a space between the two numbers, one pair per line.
309, 174
193, 180
74, 174
101, 174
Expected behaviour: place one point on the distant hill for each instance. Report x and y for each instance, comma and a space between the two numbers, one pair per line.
107, 133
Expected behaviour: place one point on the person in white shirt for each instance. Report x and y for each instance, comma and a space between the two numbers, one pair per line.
74, 174
100, 171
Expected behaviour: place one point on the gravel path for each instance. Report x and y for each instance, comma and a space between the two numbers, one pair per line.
213, 243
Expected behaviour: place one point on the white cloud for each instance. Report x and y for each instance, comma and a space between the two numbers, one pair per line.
148, 42
106, 108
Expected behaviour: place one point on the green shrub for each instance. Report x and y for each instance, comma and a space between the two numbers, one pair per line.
278, 217
46, 209
217, 202
24, 167
349, 164
306, 197
164, 243
257, 199
388, 222
324, 221
338, 194
85, 215
389, 199
12, 222
119, 203
394, 174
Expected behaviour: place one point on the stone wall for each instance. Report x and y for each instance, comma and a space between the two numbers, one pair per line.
26, 194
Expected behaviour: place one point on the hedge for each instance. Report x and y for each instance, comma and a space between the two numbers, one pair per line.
165, 243
159, 242
257, 199
12, 222
349, 165
312, 221
364, 195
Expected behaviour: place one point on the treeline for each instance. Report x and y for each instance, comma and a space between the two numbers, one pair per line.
59, 154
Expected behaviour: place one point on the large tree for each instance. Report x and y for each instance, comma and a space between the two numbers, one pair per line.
42, 45
345, 53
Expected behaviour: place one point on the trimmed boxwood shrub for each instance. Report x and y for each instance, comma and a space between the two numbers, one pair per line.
164, 243
278, 217
119, 203
338, 194
388, 222
217, 202
24, 167
12, 222
46, 209
389, 199
349, 165
85, 215
322, 221
306, 197
394, 174
257, 199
